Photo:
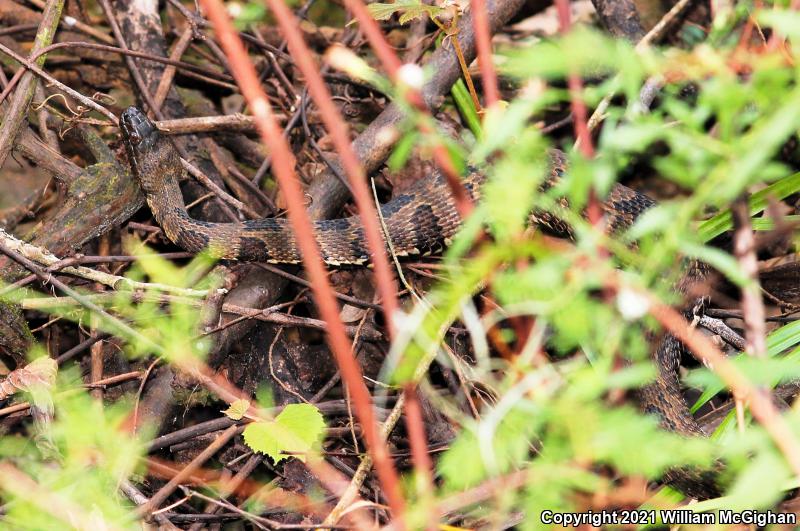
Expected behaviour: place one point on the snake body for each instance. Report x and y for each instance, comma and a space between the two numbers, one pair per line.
420, 221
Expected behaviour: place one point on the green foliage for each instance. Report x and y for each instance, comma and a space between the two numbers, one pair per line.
293, 433
407, 9
79, 457
237, 409
92, 452
552, 420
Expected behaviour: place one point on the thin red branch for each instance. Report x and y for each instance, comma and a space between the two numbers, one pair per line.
391, 63
340, 135
283, 165
483, 45
575, 88
594, 210
386, 55
423, 465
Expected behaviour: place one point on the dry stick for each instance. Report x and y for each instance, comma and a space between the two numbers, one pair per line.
165, 82
136, 496
80, 347
207, 124
164, 492
188, 67
283, 165
483, 43
111, 380
44, 257
268, 315
231, 485
760, 402
132, 68
17, 109
485, 491
19, 28
69, 22
11, 84
53, 81
210, 185
655, 33
306, 284
387, 287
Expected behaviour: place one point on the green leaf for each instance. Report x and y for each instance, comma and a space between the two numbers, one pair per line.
294, 431
237, 409
758, 202
409, 10
466, 107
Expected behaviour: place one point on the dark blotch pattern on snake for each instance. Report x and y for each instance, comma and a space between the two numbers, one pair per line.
422, 220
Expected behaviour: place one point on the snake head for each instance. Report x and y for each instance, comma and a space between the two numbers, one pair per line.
138, 131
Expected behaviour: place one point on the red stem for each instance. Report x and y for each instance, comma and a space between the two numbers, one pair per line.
283, 166
341, 139
391, 63
419, 445
594, 210
483, 45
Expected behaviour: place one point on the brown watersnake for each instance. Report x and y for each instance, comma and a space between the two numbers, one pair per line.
419, 221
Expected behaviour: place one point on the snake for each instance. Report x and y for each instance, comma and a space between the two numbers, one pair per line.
421, 220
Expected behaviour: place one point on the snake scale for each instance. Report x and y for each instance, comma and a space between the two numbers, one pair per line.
420, 221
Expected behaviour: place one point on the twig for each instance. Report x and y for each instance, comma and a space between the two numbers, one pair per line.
306, 284
44, 257
136, 496
208, 124
53, 81
719, 328
17, 109
68, 22
216, 190
654, 34
163, 493
165, 82
188, 67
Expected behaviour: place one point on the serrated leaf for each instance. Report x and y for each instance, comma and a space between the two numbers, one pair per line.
303, 419
237, 409
294, 431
